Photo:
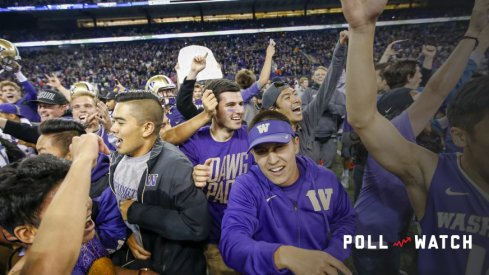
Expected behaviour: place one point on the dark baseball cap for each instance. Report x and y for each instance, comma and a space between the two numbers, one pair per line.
271, 94
51, 97
394, 102
270, 131
8, 108
109, 95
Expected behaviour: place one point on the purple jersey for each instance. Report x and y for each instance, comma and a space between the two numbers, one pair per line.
229, 160
383, 206
455, 206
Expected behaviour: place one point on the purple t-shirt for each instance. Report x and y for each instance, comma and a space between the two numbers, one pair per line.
455, 206
230, 159
383, 206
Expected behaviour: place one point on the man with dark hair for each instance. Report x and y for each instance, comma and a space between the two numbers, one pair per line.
447, 191
403, 73
286, 214
26, 190
304, 119
152, 181
219, 153
56, 137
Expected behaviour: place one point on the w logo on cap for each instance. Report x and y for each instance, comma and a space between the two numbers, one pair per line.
263, 128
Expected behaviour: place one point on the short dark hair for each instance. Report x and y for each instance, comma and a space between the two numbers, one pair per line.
145, 106
245, 78
396, 74
267, 115
24, 186
219, 86
62, 131
470, 105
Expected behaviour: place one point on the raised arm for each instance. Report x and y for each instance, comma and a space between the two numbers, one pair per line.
185, 103
254, 89
54, 82
180, 133
320, 103
22, 131
413, 164
446, 77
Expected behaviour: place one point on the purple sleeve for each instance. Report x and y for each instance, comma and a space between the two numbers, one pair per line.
342, 223
190, 151
30, 92
403, 125
111, 229
250, 92
239, 250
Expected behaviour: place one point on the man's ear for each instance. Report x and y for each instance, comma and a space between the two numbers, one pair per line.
25, 233
459, 136
296, 144
149, 129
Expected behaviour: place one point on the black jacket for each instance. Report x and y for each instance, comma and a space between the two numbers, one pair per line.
170, 211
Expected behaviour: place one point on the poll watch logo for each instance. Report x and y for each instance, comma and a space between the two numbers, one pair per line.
360, 242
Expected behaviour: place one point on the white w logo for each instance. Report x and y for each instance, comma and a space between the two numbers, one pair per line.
263, 128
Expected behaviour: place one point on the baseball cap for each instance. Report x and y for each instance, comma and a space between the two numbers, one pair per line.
277, 131
109, 95
394, 102
8, 108
271, 94
51, 97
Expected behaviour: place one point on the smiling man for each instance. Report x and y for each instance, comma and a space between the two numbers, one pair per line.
304, 119
220, 154
287, 214
152, 181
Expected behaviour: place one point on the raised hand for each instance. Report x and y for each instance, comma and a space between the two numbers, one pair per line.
271, 49
428, 51
104, 116
210, 103
479, 18
201, 173
198, 63
87, 146
360, 13
344, 37
53, 81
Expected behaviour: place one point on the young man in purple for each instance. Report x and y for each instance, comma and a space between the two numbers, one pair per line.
219, 153
287, 214
448, 192
11, 93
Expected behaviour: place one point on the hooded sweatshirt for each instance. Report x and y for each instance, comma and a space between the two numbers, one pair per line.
262, 216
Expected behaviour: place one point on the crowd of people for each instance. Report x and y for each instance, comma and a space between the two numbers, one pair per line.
111, 165
298, 55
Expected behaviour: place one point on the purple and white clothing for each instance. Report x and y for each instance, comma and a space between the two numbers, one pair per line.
27, 107
89, 253
229, 160
455, 206
383, 206
313, 213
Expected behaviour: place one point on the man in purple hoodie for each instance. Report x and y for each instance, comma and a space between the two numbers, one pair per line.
287, 214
